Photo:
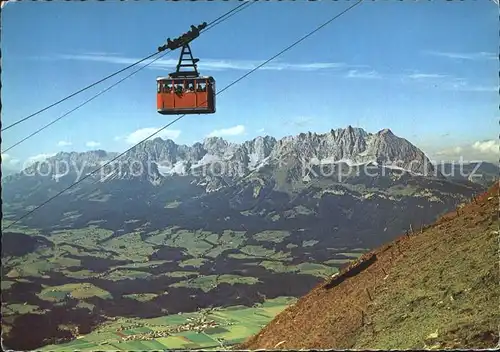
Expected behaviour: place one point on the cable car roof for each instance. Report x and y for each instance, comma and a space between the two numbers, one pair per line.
168, 78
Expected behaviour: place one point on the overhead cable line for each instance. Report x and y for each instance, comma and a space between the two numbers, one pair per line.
180, 117
77, 92
210, 25
214, 23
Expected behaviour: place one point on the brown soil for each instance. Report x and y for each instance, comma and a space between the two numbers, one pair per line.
436, 288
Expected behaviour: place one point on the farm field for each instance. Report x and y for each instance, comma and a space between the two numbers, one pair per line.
75, 279
207, 328
121, 234
71, 277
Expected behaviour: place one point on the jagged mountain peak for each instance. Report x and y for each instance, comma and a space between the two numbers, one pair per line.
385, 131
350, 145
98, 153
75, 159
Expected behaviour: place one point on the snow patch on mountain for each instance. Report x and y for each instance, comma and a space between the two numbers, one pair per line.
160, 158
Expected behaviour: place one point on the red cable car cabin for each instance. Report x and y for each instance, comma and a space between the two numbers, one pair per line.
185, 92
185, 95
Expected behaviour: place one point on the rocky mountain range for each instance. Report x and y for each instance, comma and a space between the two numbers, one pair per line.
261, 183
216, 159
279, 211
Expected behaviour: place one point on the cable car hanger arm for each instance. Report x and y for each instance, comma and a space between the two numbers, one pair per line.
183, 39
186, 54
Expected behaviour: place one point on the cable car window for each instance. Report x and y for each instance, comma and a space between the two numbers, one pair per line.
158, 87
168, 87
202, 86
189, 86
178, 87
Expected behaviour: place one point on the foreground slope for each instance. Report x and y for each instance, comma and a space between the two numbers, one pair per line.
437, 288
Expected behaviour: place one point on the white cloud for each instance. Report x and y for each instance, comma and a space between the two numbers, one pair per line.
231, 131
101, 53
5, 158
39, 157
426, 76
447, 82
212, 64
487, 150
92, 144
363, 74
260, 130
461, 85
63, 143
465, 56
489, 146
143, 133
473, 88
9, 164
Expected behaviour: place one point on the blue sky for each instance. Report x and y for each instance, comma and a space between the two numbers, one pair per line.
426, 70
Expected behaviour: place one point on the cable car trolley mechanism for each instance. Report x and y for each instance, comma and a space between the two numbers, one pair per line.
185, 92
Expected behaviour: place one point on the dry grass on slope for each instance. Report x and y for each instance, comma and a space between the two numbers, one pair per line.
435, 289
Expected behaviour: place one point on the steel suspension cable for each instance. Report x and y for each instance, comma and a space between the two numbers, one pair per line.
180, 117
214, 23
111, 75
